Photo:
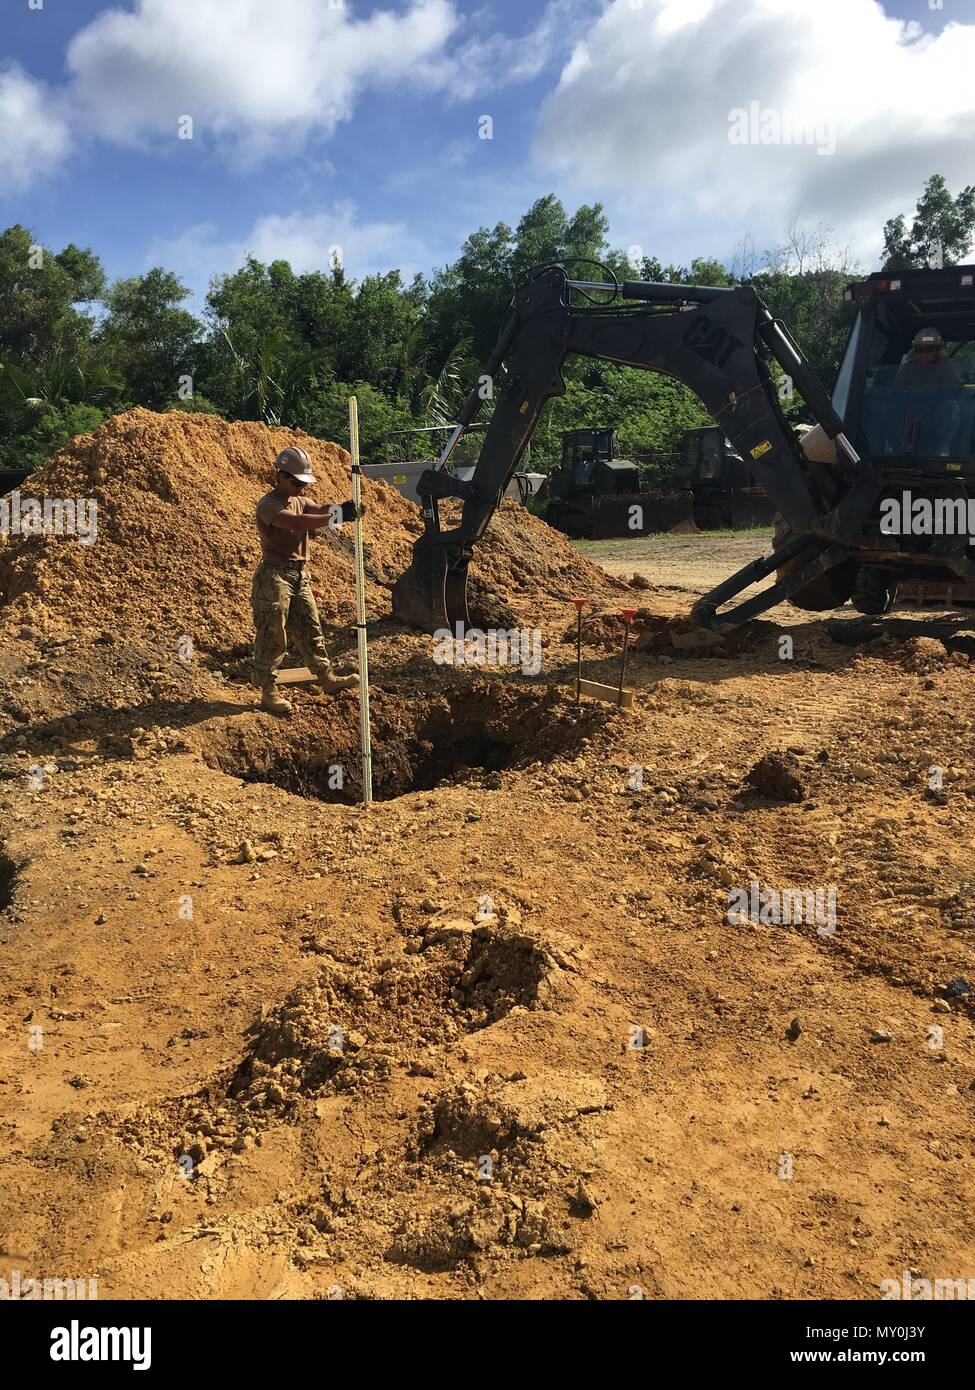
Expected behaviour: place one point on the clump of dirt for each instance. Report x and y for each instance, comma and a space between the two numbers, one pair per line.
529, 1142
922, 654
176, 543
472, 1120
441, 1239
662, 635
775, 777
605, 630
355, 1020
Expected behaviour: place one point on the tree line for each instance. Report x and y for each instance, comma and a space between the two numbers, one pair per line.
289, 348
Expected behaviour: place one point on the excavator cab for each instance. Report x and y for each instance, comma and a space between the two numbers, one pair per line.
724, 492
906, 392
702, 456
909, 410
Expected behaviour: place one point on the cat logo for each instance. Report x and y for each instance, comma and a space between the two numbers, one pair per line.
715, 345
761, 449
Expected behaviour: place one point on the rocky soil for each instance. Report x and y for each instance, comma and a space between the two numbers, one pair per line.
499, 1036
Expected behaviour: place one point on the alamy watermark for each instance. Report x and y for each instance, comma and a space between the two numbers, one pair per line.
927, 1290
77, 1343
908, 515
767, 125
50, 516
517, 646
784, 907
16, 1288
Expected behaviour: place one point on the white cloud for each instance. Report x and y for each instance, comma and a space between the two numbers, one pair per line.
483, 64
260, 77
258, 74
34, 137
641, 113
305, 240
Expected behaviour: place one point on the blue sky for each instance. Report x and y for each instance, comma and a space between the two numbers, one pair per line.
356, 124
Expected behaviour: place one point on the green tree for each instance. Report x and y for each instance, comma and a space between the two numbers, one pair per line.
546, 233
276, 337
43, 295
327, 416
943, 227
470, 299
148, 337
46, 400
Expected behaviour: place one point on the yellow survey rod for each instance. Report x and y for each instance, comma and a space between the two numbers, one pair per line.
360, 607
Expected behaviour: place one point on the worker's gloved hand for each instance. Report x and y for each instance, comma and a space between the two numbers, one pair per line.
349, 512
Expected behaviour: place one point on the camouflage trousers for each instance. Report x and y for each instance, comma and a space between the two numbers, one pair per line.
285, 612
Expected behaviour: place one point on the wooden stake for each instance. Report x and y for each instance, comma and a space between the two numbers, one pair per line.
580, 604
360, 608
627, 614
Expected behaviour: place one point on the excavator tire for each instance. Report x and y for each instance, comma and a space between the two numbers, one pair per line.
829, 590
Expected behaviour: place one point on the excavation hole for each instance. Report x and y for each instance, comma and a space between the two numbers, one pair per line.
427, 741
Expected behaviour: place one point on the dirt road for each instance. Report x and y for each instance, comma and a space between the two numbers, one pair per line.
688, 563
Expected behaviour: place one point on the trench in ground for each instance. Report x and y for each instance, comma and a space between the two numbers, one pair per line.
418, 743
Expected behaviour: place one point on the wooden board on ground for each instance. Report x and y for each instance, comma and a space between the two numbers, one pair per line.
611, 693
296, 675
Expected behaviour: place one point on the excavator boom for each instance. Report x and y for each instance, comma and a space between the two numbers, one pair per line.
717, 341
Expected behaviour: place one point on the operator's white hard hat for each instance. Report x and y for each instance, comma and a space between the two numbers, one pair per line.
928, 340
295, 462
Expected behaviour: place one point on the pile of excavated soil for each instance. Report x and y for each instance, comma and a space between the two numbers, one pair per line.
176, 543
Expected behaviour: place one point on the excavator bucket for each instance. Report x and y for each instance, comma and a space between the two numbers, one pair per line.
431, 594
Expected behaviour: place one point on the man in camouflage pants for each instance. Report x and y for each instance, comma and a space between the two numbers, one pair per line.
283, 603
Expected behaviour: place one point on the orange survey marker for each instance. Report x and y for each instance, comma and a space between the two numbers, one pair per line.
614, 695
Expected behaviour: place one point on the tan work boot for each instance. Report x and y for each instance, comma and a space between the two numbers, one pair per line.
330, 684
272, 701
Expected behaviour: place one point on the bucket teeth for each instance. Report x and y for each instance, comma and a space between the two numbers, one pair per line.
455, 591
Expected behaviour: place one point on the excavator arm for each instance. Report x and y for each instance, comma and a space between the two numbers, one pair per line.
717, 341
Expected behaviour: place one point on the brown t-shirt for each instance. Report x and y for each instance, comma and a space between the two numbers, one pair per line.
279, 545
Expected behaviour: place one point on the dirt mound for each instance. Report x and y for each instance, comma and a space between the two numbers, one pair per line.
352, 1023
605, 630
775, 777
176, 545
923, 654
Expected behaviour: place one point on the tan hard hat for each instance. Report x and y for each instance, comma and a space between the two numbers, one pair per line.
295, 462
928, 340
